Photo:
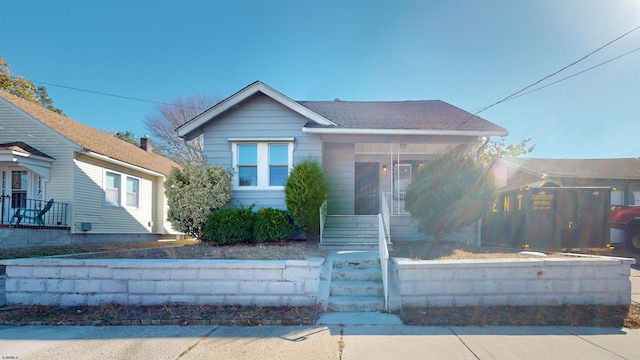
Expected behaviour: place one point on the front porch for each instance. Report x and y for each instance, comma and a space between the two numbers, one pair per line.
20, 212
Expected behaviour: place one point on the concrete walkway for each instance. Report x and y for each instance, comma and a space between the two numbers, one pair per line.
317, 342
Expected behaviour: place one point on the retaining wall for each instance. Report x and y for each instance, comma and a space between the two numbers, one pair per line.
515, 282
71, 282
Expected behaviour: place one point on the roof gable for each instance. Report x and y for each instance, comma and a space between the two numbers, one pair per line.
193, 127
90, 139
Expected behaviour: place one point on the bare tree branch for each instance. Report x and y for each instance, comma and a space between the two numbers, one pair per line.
162, 124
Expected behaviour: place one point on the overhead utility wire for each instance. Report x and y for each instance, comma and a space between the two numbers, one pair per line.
562, 69
114, 95
570, 76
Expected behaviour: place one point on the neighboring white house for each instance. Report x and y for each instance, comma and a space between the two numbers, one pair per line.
104, 189
369, 150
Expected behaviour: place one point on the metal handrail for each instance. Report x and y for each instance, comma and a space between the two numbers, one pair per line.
386, 217
396, 202
56, 216
323, 217
383, 251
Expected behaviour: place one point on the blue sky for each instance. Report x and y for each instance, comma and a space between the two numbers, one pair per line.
468, 53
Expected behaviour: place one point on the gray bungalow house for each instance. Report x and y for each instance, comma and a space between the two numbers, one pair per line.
369, 150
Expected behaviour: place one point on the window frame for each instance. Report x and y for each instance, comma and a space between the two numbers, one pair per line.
123, 194
263, 165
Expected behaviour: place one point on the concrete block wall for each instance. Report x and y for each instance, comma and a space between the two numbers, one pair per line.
514, 282
69, 282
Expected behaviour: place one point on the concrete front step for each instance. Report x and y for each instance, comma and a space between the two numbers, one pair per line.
349, 239
356, 288
356, 303
348, 247
346, 274
335, 232
352, 219
357, 263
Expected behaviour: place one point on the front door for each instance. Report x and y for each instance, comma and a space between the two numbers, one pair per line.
367, 201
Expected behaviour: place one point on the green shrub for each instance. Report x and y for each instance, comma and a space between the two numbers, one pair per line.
230, 225
273, 224
305, 191
450, 193
193, 192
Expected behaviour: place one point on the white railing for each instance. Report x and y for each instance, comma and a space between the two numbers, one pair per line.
384, 259
323, 217
395, 200
386, 217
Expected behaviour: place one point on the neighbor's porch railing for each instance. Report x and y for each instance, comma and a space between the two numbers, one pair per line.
384, 259
323, 217
56, 216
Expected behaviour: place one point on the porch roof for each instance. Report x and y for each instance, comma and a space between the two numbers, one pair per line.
26, 156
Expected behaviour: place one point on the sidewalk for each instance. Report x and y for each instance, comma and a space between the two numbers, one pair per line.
330, 341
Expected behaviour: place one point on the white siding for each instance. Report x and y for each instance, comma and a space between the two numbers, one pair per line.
89, 203
16, 126
258, 117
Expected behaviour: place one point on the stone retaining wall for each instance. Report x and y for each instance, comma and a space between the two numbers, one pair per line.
69, 282
518, 282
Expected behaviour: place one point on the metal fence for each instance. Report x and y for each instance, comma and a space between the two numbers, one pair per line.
21, 211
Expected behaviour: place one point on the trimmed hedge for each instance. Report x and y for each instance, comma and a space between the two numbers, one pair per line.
231, 225
273, 224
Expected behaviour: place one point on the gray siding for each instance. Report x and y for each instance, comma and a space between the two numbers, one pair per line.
339, 167
258, 117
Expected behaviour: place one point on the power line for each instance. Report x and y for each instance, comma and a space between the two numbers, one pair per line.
570, 76
114, 95
558, 71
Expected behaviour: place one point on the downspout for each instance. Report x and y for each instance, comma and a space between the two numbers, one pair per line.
481, 148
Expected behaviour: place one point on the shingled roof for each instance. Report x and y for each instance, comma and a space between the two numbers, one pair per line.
422, 114
91, 139
422, 117
24, 148
623, 168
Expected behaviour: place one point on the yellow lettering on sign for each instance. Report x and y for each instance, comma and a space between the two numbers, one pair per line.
494, 207
505, 204
520, 202
541, 201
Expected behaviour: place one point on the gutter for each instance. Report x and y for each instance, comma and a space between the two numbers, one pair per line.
352, 131
121, 163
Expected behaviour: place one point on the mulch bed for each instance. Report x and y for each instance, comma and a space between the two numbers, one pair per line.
184, 315
168, 314
568, 315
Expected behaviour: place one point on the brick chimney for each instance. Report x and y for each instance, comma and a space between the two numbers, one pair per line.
145, 144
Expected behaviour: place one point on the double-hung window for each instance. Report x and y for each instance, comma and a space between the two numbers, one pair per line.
262, 164
113, 190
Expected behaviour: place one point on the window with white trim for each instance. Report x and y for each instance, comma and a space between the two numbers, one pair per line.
113, 194
133, 192
261, 165
112, 189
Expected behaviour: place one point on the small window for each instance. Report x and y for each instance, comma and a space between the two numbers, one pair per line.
248, 164
112, 189
133, 191
278, 164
